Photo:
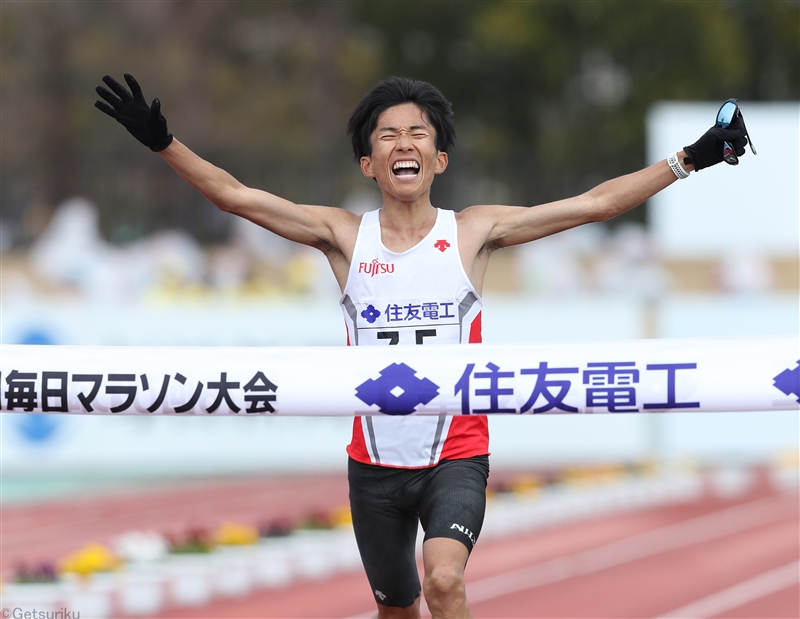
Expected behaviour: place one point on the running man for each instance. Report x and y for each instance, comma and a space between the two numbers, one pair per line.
410, 274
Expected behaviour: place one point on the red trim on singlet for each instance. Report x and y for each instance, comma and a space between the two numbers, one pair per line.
357, 449
469, 434
476, 330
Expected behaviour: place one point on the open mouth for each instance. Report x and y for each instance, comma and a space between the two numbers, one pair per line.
405, 168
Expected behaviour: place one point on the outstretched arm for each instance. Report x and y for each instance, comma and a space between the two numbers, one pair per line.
502, 226
317, 226
482, 229
323, 227
515, 225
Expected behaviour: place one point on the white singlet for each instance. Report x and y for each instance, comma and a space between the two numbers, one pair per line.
419, 296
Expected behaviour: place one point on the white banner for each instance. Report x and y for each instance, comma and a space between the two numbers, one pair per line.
596, 377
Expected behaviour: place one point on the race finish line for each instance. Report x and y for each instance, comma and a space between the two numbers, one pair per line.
643, 376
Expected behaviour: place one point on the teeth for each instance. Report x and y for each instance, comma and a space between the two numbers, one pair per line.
405, 164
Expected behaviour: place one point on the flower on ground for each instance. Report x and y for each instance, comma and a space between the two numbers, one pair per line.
89, 560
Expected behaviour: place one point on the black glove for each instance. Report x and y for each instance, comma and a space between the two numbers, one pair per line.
707, 151
144, 122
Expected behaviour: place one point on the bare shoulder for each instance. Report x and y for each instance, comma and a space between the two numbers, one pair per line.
473, 218
485, 213
343, 229
477, 224
337, 216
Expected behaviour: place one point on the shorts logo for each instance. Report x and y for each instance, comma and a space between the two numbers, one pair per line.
375, 267
465, 531
380, 594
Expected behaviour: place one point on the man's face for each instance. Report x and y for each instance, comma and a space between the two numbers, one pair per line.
404, 157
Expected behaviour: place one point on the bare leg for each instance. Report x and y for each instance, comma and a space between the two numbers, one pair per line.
445, 591
395, 612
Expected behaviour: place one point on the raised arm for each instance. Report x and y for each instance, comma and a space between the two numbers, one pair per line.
317, 226
503, 226
329, 229
516, 225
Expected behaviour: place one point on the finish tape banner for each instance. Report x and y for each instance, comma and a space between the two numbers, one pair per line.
644, 376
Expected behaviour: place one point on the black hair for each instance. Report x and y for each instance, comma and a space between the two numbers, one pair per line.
396, 91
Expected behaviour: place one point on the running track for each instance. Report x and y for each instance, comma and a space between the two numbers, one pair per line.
715, 558
718, 557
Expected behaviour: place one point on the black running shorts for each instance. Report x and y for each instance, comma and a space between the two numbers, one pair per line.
388, 504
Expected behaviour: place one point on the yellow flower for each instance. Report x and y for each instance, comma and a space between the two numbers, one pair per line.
231, 534
527, 484
341, 516
88, 560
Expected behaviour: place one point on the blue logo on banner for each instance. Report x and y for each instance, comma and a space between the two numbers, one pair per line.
788, 381
37, 428
37, 337
398, 391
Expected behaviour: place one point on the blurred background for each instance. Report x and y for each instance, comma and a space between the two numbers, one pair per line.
102, 244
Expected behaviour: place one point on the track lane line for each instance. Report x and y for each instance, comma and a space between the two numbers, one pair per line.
672, 537
740, 594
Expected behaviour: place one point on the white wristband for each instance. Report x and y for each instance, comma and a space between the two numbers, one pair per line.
673, 162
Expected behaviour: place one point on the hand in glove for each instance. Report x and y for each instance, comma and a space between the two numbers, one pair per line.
708, 150
144, 122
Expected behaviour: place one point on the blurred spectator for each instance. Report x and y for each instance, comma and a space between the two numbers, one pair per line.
228, 268
556, 265
629, 264
170, 259
71, 255
745, 272
70, 252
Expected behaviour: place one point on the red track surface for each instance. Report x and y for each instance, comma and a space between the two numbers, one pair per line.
712, 558
48, 531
